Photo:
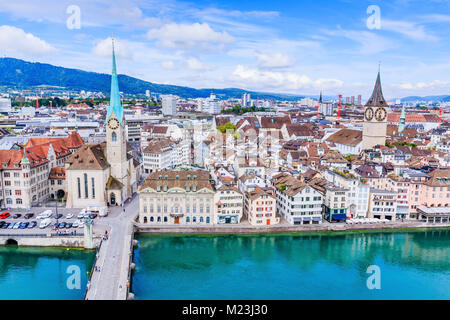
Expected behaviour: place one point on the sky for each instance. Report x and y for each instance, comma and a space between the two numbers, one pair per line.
290, 46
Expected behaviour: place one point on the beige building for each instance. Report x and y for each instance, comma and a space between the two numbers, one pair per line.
177, 197
228, 205
25, 172
260, 207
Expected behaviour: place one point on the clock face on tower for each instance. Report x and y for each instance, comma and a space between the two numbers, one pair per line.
369, 114
113, 123
380, 114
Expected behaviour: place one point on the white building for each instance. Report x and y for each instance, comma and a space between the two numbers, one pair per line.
5, 105
169, 105
228, 205
163, 154
297, 202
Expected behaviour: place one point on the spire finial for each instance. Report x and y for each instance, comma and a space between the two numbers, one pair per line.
379, 66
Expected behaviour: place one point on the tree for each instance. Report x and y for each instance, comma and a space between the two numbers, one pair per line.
227, 126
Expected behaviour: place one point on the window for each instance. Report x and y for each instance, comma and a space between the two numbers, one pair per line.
188, 219
79, 187
207, 219
86, 191
114, 137
93, 187
18, 201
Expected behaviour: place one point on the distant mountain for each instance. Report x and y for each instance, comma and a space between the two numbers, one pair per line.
442, 98
21, 74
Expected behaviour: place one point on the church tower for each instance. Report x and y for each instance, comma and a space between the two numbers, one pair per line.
116, 142
375, 118
402, 124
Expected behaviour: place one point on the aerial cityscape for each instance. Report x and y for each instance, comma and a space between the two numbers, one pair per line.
200, 151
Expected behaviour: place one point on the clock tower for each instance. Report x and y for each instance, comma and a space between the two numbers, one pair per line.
375, 118
116, 142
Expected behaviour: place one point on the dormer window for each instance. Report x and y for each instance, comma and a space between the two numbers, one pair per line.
189, 177
158, 188
166, 177
195, 177
177, 177
188, 188
159, 177
165, 187
194, 188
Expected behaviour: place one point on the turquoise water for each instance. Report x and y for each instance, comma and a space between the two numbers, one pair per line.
413, 265
32, 273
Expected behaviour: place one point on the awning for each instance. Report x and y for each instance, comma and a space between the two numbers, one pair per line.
307, 219
317, 218
340, 216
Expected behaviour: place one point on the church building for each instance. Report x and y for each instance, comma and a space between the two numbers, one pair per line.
104, 174
375, 118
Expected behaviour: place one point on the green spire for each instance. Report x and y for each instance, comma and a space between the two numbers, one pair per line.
114, 104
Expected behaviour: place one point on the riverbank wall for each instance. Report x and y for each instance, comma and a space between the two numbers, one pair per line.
170, 229
65, 241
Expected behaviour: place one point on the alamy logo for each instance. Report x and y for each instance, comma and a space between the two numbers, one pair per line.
374, 280
74, 20
74, 279
374, 20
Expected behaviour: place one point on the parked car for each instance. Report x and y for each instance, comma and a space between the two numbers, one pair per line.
23, 225
28, 215
32, 224
45, 214
58, 216
17, 216
6, 225
11, 225
81, 214
69, 216
16, 225
93, 215
75, 224
4, 215
62, 225
45, 223
69, 225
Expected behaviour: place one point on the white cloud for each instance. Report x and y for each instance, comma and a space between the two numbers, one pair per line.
274, 60
188, 36
283, 81
195, 64
408, 29
168, 64
121, 49
16, 42
435, 84
369, 42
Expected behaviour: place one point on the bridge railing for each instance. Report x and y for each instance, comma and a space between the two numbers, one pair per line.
41, 235
92, 270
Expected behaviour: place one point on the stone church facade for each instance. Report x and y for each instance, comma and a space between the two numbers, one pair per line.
104, 174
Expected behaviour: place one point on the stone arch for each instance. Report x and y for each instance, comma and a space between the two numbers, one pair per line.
11, 242
112, 200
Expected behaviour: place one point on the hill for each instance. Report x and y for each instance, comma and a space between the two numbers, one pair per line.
21, 74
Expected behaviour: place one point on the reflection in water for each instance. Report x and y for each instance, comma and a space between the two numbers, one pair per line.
179, 262
40, 273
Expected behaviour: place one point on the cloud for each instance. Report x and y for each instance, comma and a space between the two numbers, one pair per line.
168, 64
284, 81
408, 29
15, 41
195, 64
188, 36
435, 84
274, 60
369, 42
121, 49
